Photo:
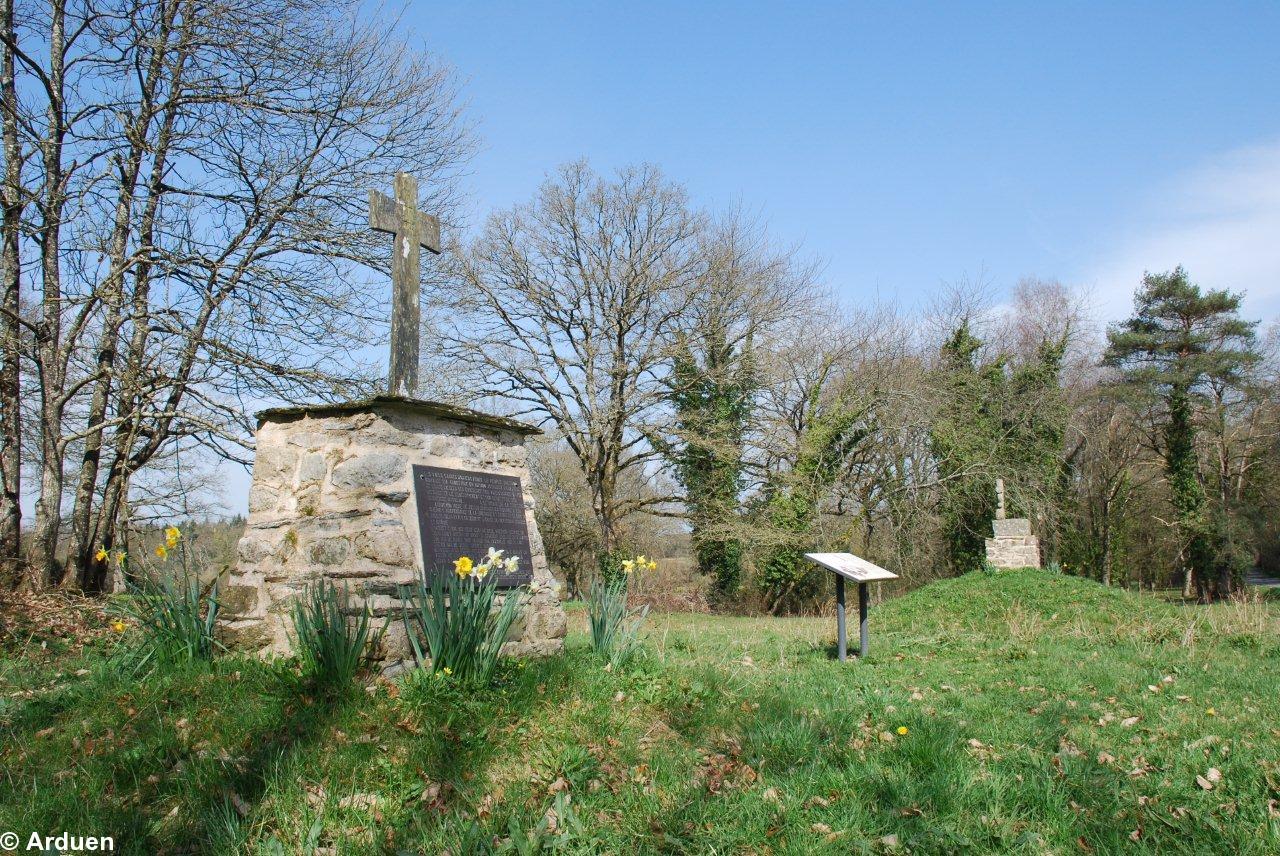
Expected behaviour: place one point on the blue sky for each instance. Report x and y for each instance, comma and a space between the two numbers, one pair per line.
908, 144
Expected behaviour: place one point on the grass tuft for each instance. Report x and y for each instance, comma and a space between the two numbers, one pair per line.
332, 645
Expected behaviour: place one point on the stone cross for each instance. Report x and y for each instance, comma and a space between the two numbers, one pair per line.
412, 229
1000, 499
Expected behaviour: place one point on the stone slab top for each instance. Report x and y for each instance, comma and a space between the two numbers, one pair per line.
1013, 527
375, 403
851, 567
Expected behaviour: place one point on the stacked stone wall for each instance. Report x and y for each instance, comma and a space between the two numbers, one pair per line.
1013, 545
332, 498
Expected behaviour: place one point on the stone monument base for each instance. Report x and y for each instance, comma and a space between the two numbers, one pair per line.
332, 498
1013, 545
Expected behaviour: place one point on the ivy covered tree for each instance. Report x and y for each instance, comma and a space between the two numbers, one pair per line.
745, 291
712, 399
1031, 450
792, 498
965, 436
998, 418
1179, 344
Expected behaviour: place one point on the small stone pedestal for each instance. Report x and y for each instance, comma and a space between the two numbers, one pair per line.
1013, 545
332, 498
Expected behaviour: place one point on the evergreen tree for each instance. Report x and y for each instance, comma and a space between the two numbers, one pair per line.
1178, 342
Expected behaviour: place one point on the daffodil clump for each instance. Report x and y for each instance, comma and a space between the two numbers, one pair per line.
172, 538
451, 621
494, 561
332, 644
639, 563
615, 627
103, 554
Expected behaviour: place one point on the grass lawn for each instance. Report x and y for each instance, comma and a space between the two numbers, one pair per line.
1014, 713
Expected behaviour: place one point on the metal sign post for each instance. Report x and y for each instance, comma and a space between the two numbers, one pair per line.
848, 566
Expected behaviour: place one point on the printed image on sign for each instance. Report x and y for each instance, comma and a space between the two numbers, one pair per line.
464, 513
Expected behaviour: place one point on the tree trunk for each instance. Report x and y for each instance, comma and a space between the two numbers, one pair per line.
1106, 544
44, 570
10, 328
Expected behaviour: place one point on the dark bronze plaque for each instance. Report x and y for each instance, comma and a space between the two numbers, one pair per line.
464, 513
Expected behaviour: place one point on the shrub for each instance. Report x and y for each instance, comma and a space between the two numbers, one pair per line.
454, 616
614, 625
331, 646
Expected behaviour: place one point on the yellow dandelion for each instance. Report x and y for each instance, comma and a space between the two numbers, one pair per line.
903, 730
1210, 711
447, 670
100, 556
117, 626
462, 566
163, 552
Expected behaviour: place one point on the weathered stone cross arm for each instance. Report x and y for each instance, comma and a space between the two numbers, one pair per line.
386, 215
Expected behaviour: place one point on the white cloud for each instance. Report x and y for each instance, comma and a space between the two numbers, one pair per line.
1220, 221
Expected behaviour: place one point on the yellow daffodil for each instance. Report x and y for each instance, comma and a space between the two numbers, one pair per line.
482, 570
120, 554
100, 556
903, 730
163, 552
653, 566
171, 536
513, 564
628, 565
641, 561
462, 566
117, 626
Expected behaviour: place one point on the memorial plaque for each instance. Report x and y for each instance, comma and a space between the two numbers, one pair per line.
464, 513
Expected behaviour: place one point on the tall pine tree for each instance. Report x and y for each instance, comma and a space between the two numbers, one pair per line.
1178, 341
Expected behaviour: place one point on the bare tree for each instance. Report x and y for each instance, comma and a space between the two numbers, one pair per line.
196, 224
566, 308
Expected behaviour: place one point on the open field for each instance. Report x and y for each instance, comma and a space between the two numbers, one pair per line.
1012, 713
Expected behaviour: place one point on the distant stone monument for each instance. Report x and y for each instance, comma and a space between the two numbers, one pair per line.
371, 493
1013, 545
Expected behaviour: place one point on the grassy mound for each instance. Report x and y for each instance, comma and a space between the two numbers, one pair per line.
1016, 712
